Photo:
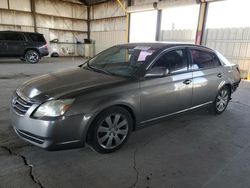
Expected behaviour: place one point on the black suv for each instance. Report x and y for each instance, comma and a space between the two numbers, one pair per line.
27, 46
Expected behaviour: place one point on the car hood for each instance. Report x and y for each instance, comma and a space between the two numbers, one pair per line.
61, 83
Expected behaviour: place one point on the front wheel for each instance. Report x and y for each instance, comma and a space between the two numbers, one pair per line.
32, 56
221, 101
111, 130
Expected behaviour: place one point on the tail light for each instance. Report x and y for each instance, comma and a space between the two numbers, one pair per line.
46, 45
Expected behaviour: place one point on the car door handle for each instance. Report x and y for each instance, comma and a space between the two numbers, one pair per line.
219, 75
188, 81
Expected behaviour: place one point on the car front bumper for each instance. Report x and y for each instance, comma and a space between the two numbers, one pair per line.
62, 133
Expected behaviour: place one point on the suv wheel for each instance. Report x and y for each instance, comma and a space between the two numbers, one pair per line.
31, 56
221, 101
111, 130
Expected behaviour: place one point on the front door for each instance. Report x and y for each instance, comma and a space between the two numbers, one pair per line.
164, 96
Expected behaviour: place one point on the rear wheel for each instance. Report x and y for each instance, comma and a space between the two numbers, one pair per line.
221, 101
111, 130
32, 56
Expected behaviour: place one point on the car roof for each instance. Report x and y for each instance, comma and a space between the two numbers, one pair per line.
162, 45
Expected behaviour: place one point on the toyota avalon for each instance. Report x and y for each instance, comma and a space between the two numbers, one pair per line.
118, 91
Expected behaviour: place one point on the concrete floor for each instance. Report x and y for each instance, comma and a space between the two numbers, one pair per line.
194, 150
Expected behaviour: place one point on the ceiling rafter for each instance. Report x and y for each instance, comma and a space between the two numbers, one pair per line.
92, 2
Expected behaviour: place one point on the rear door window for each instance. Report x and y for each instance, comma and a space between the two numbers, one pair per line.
36, 37
203, 59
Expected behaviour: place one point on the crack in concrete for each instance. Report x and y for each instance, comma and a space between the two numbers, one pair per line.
26, 164
153, 139
135, 169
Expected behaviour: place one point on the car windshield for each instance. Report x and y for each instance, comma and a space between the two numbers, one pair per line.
120, 60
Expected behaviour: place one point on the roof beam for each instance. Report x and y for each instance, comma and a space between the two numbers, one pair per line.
201, 22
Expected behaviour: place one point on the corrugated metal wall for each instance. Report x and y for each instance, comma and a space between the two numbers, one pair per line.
65, 21
106, 39
234, 43
108, 25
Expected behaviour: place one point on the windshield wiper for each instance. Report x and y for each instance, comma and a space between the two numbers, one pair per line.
98, 70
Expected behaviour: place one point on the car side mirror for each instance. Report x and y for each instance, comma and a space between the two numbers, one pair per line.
157, 72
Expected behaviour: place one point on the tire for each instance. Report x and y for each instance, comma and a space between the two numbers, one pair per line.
221, 101
32, 56
110, 130
54, 54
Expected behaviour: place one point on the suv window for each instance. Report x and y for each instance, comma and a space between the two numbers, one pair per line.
202, 59
36, 37
175, 61
13, 36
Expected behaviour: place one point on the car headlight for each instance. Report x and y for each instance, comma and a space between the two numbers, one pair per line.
53, 108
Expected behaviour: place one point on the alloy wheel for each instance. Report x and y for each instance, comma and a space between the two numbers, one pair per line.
222, 100
32, 56
112, 131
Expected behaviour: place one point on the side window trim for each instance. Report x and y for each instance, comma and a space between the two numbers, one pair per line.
184, 48
203, 50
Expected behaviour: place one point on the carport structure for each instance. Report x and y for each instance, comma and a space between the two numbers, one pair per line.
106, 23
194, 150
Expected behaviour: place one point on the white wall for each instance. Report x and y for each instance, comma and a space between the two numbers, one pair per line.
108, 25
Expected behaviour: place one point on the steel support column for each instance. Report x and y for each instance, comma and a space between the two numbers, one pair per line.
8, 2
201, 22
88, 22
158, 25
33, 12
127, 18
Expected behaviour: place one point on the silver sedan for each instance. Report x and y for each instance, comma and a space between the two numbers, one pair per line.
119, 90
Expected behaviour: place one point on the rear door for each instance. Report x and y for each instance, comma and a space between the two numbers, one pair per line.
170, 94
15, 44
207, 75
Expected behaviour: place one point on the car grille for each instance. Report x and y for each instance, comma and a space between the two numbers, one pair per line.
20, 106
29, 136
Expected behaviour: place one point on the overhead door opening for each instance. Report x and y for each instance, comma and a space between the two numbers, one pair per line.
143, 26
228, 31
179, 24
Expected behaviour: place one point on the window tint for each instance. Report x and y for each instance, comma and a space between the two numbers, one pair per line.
13, 36
175, 61
36, 37
202, 59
